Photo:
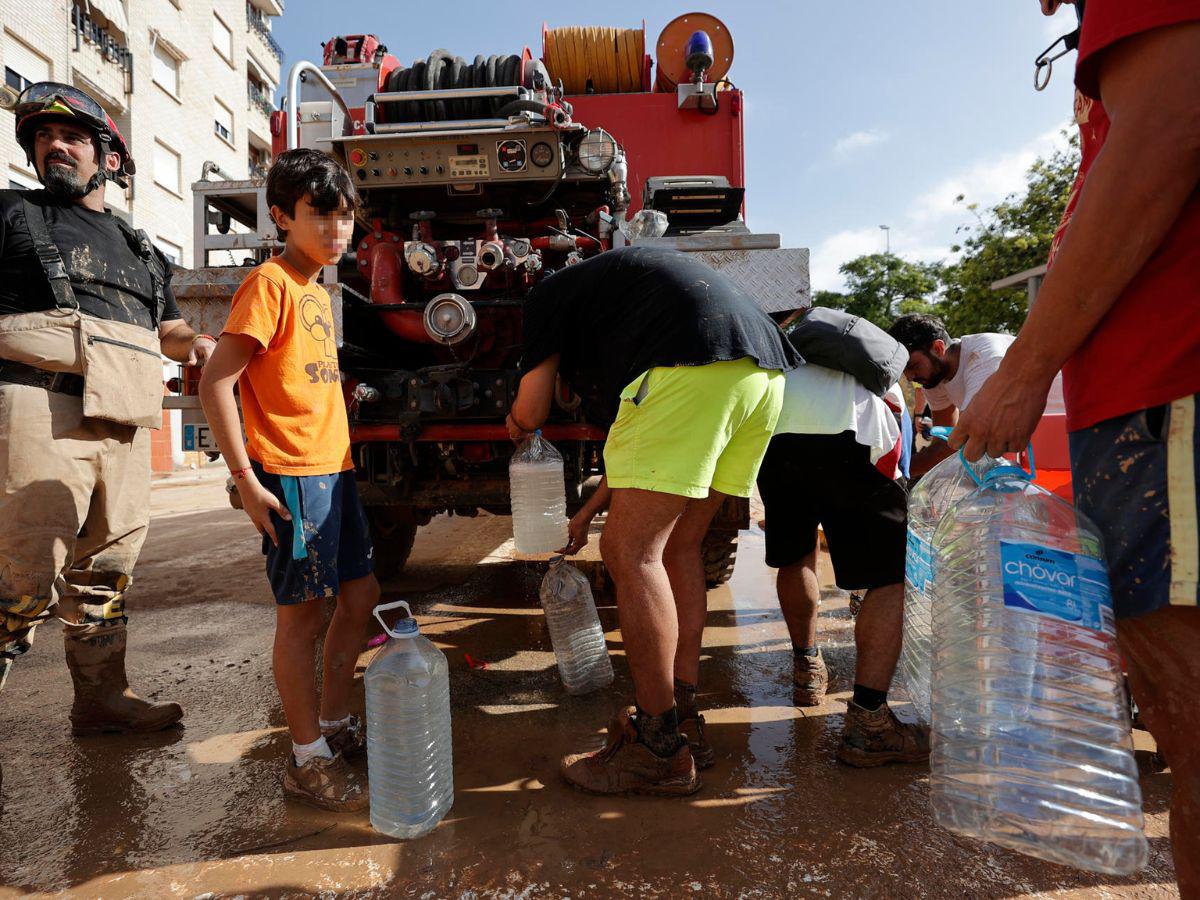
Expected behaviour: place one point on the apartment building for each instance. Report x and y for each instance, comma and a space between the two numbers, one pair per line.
188, 82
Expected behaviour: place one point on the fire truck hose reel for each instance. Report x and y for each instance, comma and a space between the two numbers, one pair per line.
443, 70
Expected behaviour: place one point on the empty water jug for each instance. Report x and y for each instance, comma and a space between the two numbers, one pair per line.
409, 758
539, 498
936, 491
575, 629
1031, 736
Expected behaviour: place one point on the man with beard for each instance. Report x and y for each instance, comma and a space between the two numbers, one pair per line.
951, 372
85, 310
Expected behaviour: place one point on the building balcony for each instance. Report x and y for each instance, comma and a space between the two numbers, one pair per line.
258, 100
256, 22
268, 7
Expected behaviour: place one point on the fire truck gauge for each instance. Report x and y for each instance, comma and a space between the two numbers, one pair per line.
542, 154
510, 155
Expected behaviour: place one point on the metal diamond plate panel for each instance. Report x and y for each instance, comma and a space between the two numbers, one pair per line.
777, 279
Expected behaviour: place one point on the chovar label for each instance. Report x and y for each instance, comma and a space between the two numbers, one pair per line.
918, 562
1067, 586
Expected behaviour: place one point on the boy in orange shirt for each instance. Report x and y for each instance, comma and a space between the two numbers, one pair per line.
294, 473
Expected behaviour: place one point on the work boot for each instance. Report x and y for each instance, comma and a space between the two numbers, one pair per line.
810, 680
350, 739
876, 738
103, 701
627, 766
691, 725
326, 782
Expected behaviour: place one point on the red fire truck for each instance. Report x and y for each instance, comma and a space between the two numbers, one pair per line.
479, 176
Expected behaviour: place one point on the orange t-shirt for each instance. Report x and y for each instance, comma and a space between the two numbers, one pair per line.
291, 389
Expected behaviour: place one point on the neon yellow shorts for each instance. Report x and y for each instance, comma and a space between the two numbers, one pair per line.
686, 429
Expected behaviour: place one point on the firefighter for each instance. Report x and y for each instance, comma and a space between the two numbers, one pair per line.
85, 310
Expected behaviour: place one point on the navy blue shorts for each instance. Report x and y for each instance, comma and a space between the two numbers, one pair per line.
1135, 476
337, 540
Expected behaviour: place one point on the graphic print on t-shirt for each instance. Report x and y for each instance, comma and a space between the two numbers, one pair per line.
318, 322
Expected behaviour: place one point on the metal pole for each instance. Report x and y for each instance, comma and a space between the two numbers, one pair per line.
295, 75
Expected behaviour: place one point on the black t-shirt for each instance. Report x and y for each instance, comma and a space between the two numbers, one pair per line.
625, 311
108, 276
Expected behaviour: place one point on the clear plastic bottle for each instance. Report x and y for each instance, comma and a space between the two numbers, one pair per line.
575, 630
940, 488
1031, 736
409, 753
539, 498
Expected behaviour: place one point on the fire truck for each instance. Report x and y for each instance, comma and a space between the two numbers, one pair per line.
478, 177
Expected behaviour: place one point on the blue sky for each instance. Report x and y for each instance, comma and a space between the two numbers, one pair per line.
858, 114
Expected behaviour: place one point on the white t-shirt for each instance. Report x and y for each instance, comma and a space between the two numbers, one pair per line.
818, 400
978, 359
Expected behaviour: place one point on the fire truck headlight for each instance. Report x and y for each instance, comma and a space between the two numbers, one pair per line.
597, 151
449, 319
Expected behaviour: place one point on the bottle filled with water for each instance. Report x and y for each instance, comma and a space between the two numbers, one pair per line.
1030, 727
575, 629
539, 498
409, 758
940, 488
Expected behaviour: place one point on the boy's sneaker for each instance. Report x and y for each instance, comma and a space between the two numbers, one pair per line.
627, 766
350, 740
326, 782
876, 738
810, 679
692, 729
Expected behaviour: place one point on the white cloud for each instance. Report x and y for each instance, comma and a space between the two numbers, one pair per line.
925, 230
858, 140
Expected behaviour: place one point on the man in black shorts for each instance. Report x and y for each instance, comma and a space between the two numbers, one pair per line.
821, 469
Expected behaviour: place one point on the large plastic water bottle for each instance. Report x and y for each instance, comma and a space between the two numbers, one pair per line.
409, 754
1031, 736
575, 629
539, 498
940, 488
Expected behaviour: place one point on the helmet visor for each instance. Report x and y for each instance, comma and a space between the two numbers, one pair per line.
52, 97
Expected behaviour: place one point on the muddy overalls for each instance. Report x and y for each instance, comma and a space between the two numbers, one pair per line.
78, 395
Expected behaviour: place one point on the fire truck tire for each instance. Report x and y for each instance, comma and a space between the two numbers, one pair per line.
720, 552
392, 534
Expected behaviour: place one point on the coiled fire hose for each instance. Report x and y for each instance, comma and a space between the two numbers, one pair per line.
442, 70
594, 59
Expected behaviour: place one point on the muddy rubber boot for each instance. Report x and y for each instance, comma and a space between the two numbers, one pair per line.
103, 701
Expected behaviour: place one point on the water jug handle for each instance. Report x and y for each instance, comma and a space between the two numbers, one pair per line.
396, 604
1029, 474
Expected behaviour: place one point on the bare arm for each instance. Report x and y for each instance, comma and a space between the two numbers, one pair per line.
180, 343
1147, 170
577, 530
534, 396
229, 360
928, 457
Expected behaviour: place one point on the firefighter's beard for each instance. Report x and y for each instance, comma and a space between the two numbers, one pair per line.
63, 182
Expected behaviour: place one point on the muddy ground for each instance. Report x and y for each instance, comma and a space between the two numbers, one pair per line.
198, 811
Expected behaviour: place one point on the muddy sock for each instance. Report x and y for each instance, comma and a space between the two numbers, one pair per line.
685, 701
659, 733
305, 752
869, 698
805, 651
327, 727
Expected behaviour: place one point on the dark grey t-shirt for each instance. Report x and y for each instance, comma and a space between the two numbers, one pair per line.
625, 311
109, 278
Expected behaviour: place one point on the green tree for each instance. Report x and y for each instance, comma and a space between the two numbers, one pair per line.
881, 286
1010, 237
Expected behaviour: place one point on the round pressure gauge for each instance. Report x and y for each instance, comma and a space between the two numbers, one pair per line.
511, 155
542, 154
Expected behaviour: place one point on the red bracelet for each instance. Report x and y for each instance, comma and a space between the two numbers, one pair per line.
240, 474
196, 337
